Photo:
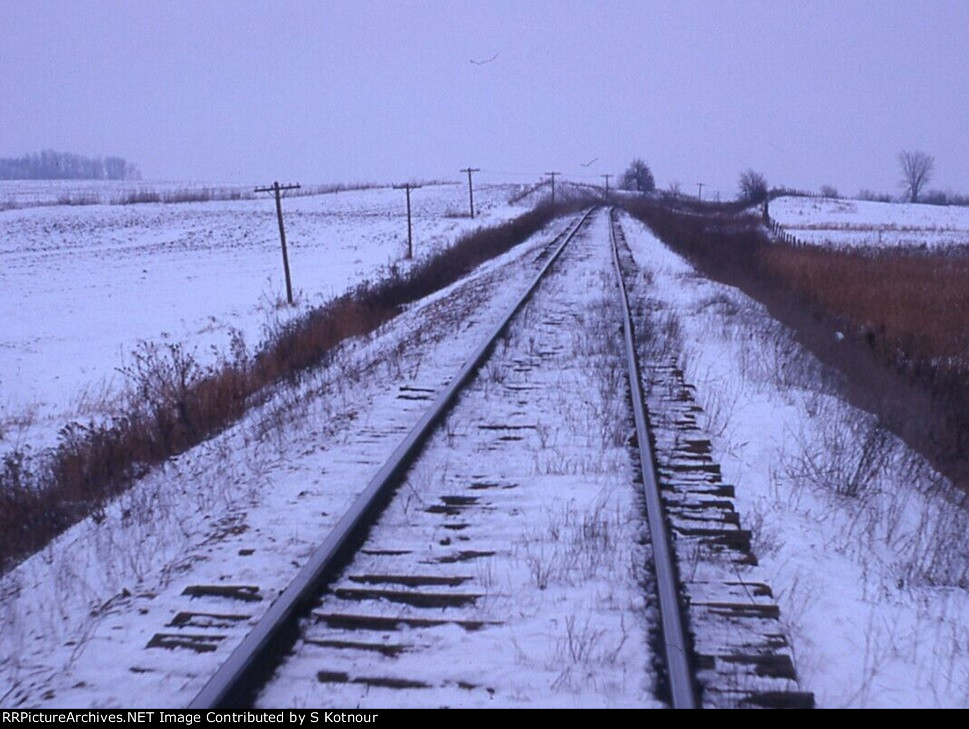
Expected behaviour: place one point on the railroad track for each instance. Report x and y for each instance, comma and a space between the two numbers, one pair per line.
440, 557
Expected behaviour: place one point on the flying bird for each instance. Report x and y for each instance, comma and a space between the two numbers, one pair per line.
589, 163
487, 60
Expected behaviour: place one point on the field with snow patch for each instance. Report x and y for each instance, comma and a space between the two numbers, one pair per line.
82, 285
829, 221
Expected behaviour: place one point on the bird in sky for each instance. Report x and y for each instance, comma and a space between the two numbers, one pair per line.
589, 163
487, 60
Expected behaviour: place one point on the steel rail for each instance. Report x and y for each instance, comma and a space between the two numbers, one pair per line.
235, 681
682, 686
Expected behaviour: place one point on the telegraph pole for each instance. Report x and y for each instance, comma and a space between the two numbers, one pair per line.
276, 189
607, 181
699, 194
553, 175
410, 238
469, 170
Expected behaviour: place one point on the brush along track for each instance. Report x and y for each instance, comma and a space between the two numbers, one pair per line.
740, 649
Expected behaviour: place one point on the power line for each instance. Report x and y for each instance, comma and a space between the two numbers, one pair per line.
410, 237
276, 188
553, 176
469, 169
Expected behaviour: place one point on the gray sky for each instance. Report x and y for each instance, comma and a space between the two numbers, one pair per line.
808, 93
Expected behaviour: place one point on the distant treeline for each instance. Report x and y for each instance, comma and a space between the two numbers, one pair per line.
51, 165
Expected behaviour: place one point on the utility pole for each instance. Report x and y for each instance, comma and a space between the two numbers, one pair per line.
699, 194
469, 169
607, 181
553, 175
407, 186
276, 189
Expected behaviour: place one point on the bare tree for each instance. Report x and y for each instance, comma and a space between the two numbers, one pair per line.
753, 187
916, 172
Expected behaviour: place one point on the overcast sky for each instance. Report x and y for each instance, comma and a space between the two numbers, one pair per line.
807, 93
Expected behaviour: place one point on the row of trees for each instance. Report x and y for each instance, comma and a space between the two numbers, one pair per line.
51, 165
639, 178
917, 168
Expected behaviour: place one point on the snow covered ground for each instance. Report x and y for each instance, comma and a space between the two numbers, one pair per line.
84, 622
81, 285
861, 223
76, 619
866, 554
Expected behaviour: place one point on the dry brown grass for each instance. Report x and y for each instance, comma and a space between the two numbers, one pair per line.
896, 322
914, 307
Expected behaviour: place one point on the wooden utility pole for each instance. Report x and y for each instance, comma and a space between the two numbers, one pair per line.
469, 169
276, 189
407, 186
607, 181
699, 194
553, 175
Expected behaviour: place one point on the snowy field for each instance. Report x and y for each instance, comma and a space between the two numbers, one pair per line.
857, 535
827, 221
82, 285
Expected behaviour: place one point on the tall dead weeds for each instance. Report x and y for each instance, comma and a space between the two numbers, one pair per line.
895, 322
